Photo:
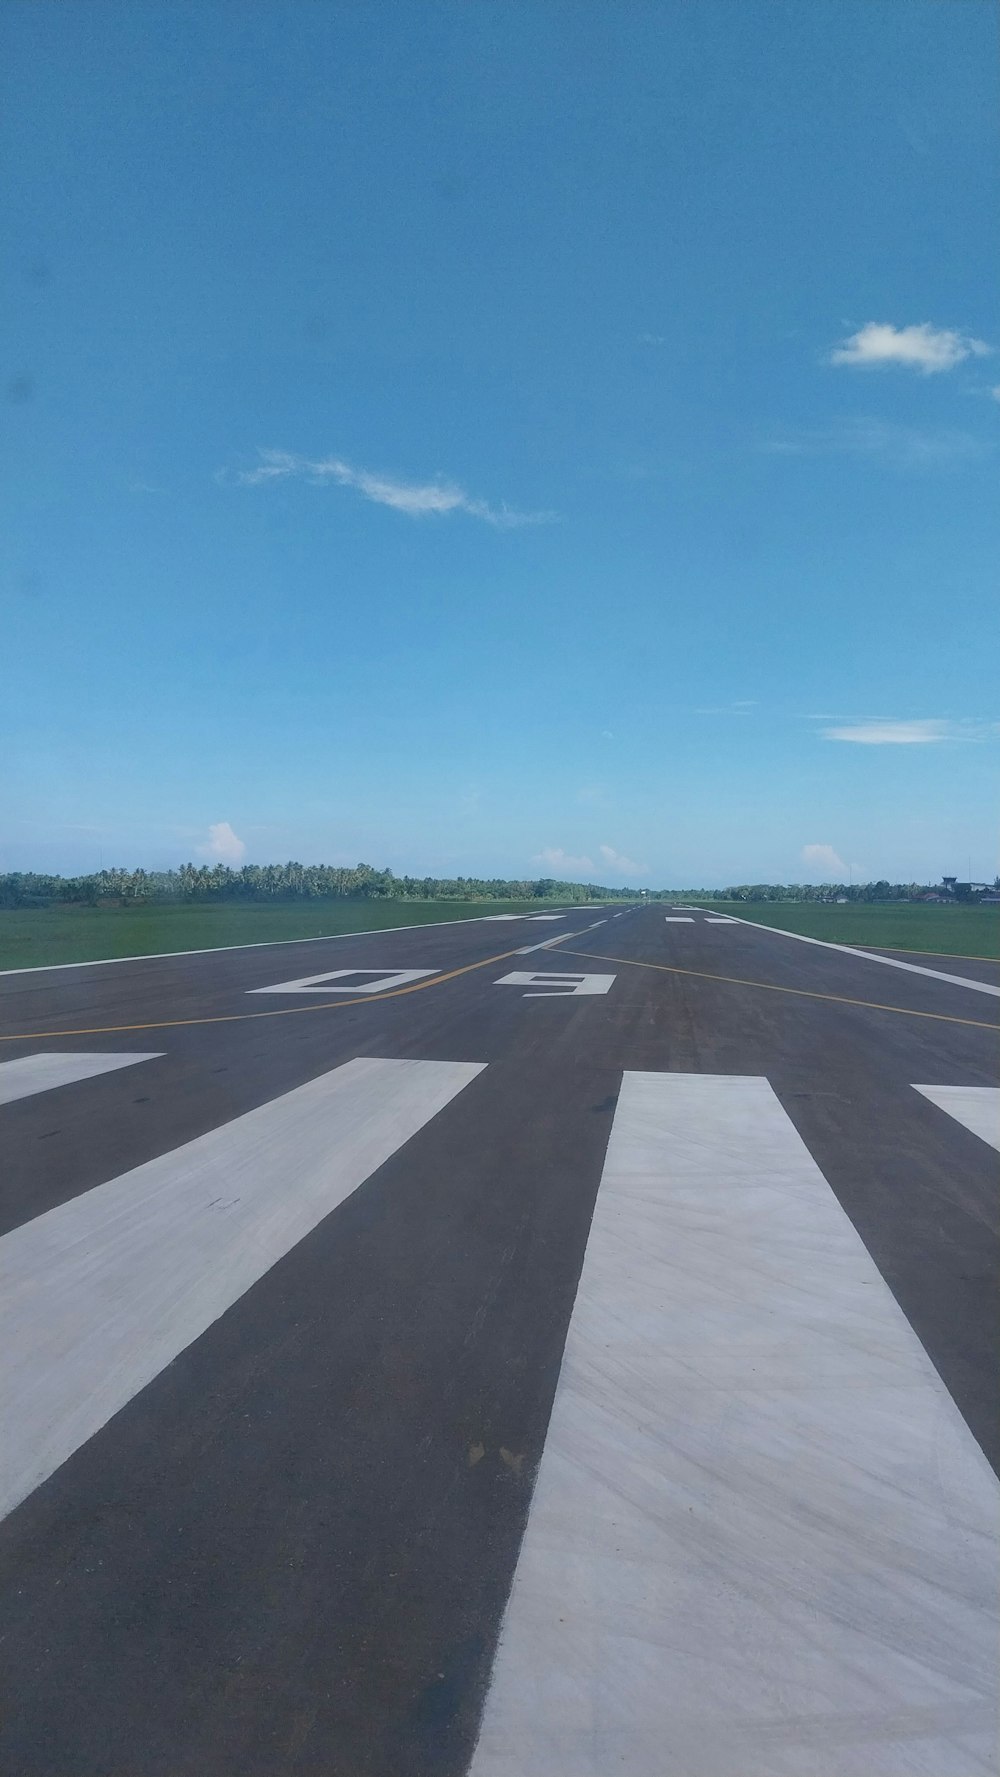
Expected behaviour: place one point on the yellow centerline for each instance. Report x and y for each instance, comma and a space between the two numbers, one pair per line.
101, 1030
807, 993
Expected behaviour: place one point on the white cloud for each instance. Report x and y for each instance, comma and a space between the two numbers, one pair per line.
621, 865
557, 859
924, 348
223, 846
826, 861
883, 733
415, 499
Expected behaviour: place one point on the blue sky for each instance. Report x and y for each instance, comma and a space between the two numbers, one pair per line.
501, 438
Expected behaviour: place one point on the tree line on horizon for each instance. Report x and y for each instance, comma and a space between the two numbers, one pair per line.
362, 882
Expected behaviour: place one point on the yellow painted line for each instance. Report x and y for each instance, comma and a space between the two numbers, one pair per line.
101, 1030
772, 987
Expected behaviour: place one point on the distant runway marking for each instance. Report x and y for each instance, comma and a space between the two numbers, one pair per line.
100, 1294
557, 986
41, 1073
547, 943
717, 919
100, 1030
678, 919
977, 1107
536, 918
806, 993
324, 983
873, 956
762, 1536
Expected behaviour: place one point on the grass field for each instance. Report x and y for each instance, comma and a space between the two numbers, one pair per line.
31, 937
894, 925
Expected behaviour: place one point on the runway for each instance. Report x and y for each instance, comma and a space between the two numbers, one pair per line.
556, 1346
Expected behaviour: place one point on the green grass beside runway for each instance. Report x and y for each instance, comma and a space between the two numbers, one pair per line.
32, 937
890, 925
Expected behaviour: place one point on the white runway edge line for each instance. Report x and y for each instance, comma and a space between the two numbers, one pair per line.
869, 956
160, 956
977, 1107
40, 1073
99, 1294
762, 1540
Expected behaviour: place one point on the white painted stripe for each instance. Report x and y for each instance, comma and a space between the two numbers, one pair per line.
715, 919
597, 922
341, 981
762, 1540
40, 1073
978, 1107
535, 917
99, 1294
547, 943
161, 956
871, 956
678, 919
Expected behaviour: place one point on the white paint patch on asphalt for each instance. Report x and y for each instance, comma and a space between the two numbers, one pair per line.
546, 943
678, 919
977, 1107
718, 919
555, 986
99, 1294
762, 1540
536, 917
872, 956
40, 1073
347, 983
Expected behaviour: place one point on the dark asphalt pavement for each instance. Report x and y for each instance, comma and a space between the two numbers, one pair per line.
290, 1552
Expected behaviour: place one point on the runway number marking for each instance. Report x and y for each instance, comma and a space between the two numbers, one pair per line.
555, 987
346, 981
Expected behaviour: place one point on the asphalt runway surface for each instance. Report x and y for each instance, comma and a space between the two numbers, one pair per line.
428, 1352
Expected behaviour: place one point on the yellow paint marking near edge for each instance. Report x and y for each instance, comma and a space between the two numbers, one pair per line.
370, 999
806, 993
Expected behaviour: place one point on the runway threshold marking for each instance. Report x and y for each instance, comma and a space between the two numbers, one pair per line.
762, 1535
837, 999
100, 1030
102, 1292
42, 1073
976, 1107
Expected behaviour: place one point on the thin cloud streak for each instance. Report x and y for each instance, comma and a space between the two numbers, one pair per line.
415, 499
899, 447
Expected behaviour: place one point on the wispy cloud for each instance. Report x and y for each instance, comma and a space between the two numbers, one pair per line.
899, 447
555, 858
415, 499
223, 846
619, 864
742, 707
885, 733
826, 861
921, 347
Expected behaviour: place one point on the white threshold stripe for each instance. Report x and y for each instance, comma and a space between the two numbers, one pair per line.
678, 919
870, 956
99, 1294
762, 1540
40, 1073
977, 1107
